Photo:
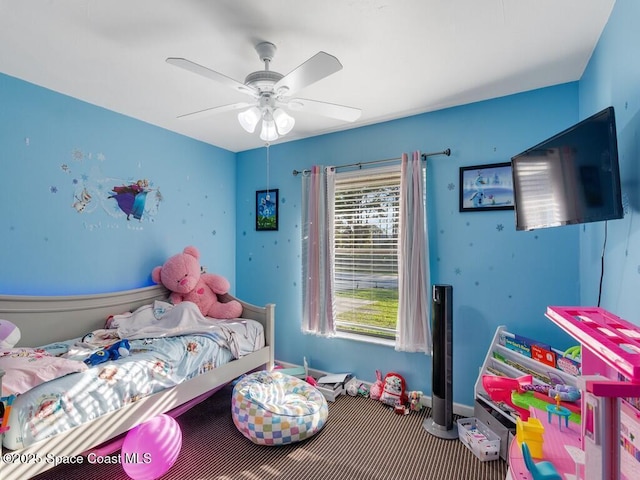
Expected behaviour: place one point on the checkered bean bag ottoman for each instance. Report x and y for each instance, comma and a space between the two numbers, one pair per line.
272, 408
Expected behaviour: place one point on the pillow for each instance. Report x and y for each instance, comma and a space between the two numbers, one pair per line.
26, 368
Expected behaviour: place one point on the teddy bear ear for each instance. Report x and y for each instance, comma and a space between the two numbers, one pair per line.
193, 251
155, 274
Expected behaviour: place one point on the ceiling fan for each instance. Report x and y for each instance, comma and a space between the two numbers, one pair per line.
272, 92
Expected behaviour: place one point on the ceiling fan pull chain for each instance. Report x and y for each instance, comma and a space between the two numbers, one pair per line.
267, 145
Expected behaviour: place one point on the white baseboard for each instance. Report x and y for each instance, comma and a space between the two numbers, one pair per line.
458, 408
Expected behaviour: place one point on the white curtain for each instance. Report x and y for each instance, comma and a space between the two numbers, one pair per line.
318, 189
413, 328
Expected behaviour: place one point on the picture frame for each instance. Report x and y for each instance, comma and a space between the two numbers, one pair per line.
486, 187
267, 209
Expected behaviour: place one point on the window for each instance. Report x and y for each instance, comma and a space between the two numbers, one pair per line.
366, 223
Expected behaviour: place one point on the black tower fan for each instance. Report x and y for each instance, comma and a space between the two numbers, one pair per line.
441, 423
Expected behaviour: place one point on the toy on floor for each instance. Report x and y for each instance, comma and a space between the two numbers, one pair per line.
400, 410
112, 352
394, 390
152, 447
355, 387
377, 387
363, 390
415, 403
352, 388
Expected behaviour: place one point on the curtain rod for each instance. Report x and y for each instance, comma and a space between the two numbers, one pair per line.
424, 156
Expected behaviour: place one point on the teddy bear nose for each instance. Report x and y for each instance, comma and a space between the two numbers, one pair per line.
183, 281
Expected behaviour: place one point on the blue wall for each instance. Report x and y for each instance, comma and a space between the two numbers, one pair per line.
613, 78
499, 276
53, 146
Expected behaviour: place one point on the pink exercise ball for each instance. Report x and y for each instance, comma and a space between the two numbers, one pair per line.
150, 449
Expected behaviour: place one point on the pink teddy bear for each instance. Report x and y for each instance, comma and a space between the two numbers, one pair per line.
181, 274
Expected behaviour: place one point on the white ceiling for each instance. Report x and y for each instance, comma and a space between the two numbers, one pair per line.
400, 57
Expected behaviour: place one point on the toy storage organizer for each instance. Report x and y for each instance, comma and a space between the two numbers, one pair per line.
610, 385
512, 356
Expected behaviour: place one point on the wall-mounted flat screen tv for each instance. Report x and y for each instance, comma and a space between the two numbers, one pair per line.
571, 178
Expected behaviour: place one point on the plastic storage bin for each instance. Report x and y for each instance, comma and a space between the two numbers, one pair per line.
479, 439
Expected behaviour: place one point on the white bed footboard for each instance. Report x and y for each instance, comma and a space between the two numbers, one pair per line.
44, 320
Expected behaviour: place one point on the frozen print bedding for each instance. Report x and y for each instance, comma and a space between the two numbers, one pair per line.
168, 345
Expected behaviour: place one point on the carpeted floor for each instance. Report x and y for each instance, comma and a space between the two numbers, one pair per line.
361, 440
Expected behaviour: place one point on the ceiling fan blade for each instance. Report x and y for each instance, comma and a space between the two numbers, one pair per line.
320, 66
215, 110
339, 112
212, 74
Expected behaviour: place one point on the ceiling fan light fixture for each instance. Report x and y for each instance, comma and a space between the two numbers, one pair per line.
271, 90
284, 122
249, 119
268, 132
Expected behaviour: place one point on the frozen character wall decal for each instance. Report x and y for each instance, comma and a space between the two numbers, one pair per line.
93, 193
132, 198
135, 199
81, 200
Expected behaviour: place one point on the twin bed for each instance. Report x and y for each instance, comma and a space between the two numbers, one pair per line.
167, 371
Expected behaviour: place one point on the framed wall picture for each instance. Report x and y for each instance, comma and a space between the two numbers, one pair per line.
267, 209
486, 187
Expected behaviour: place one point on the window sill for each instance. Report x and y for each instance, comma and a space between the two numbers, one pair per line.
366, 339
